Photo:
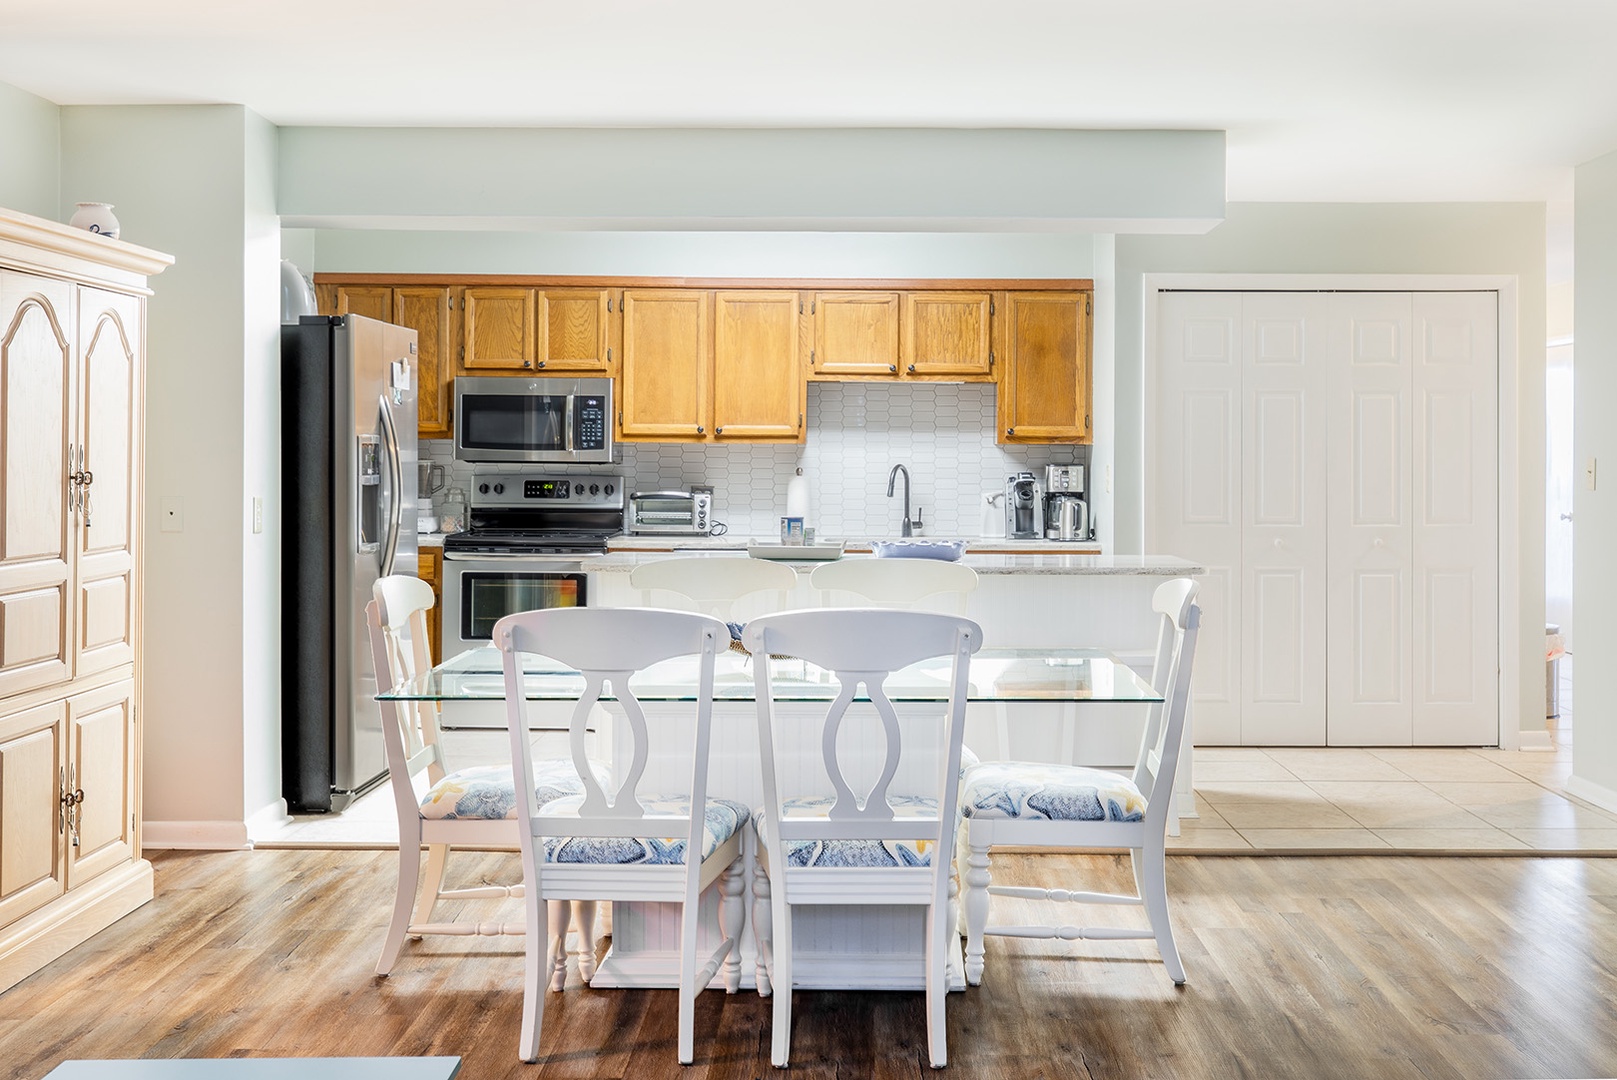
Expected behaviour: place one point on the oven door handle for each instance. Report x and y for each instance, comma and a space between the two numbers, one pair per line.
573, 561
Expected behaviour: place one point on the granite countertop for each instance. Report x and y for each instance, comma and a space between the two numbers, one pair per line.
622, 561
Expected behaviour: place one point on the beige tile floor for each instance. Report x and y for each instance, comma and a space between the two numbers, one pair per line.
1251, 801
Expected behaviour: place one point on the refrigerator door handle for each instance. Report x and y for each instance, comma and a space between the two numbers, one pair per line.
395, 479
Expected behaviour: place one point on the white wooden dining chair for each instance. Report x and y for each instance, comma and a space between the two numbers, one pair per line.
631, 845
716, 584
928, 584
891, 843
475, 806
1071, 806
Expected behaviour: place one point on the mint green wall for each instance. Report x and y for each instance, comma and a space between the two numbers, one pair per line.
694, 254
177, 176
1594, 587
1362, 238
31, 132
781, 179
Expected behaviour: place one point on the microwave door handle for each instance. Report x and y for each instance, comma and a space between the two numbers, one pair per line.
395, 479
567, 426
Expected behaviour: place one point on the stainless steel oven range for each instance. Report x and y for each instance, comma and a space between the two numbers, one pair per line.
529, 539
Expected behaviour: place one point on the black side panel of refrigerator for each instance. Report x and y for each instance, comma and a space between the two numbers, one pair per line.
307, 576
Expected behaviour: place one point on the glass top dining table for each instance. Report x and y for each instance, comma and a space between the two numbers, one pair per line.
1002, 675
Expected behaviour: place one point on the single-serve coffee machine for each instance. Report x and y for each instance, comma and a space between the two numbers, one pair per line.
1065, 512
1024, 507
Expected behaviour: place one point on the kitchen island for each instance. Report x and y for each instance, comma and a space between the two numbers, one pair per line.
1038, 599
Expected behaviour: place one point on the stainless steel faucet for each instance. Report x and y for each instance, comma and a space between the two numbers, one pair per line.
908, 528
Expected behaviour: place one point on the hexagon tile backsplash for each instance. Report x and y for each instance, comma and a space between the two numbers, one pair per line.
943, 433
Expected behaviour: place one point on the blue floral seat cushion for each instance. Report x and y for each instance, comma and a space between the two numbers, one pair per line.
488, 792
1029, 790
857, 853
722, 820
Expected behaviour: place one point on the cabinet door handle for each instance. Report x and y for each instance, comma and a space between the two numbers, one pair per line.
527, 363
892, 368
912, 369
1010, 431
718, 431
700, 430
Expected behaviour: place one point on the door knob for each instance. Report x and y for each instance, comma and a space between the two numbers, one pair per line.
1378, 542
1566, 517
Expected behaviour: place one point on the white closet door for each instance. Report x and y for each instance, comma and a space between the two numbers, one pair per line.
1370, 621
1455, 593
1283, 520
1196, 475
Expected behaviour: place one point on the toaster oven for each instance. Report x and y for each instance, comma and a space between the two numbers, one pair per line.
671, 513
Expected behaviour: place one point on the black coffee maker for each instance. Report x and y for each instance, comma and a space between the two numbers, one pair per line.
1024, 507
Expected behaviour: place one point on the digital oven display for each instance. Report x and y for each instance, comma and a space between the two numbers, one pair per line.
545, 489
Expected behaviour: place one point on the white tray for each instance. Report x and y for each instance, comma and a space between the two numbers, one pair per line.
796, 552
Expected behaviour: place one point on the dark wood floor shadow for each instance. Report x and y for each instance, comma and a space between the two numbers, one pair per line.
1320, 967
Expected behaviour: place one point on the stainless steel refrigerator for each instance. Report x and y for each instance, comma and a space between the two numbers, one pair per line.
348, 483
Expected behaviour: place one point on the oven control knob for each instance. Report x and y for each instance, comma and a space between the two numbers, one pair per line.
499, 489
482, 489
609, 489
578, 489
595, 489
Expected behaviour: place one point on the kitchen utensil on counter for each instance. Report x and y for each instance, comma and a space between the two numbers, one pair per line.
1066, 516
1024, 507
430, 479
818, 552
452, 511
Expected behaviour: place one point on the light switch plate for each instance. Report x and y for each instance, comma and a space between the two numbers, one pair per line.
171, 513
1589, 474
258, 513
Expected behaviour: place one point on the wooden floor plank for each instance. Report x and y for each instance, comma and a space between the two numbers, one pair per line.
1299, 967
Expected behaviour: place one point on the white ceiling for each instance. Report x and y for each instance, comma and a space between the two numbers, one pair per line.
1366, 100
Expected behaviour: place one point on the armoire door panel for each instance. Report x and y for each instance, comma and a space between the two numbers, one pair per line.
109, 374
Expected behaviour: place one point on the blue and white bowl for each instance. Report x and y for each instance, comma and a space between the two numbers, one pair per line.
916, 548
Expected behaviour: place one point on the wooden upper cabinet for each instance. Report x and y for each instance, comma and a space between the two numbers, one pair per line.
427, 311
758, 378
1044, 394
947, 333
499, 329
664, 391
371, 301
855, 333
572, 325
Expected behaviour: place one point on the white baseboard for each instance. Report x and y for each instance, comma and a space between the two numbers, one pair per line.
268, 820
195, 835
1534, 739
1595, 794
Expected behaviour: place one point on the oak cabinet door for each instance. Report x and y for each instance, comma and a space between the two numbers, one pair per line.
371, 301
946, 333
108, 537
855, 333
101, 764
499, 329
758, 385
37, 520
430, 568
572, 326
426, 310
1044, 396
32, 818
667, 364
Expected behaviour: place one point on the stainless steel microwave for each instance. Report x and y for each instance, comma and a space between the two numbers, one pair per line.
504, 419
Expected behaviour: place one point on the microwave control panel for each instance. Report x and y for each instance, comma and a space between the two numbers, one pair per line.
590, 421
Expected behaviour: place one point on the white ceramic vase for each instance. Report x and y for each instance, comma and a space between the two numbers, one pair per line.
95, 217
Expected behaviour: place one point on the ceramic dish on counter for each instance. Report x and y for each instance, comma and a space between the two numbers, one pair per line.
916, 548
796, 552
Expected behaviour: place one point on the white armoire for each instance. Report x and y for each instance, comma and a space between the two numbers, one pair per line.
1332, 457
72, 364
